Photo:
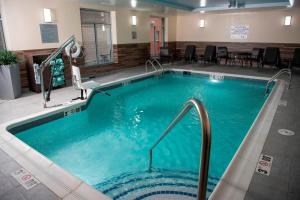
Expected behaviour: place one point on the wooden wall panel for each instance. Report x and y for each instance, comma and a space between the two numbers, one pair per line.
124, 56
131, 55
286, 50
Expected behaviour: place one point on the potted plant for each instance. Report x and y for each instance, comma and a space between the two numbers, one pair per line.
10, 84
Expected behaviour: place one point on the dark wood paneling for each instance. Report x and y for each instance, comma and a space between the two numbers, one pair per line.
286, 50
124, 56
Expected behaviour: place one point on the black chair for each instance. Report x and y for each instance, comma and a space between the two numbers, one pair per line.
165, 55
271, 57
222, 53
295, 62
209, 54
257, 55
190, 53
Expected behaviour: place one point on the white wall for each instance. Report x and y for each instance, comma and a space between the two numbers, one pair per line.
21, 21
266, 26
124, 27
171, 28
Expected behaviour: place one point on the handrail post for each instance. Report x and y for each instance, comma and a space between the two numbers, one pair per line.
277, 75
205, 147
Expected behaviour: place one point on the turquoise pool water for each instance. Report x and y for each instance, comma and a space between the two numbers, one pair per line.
113, 135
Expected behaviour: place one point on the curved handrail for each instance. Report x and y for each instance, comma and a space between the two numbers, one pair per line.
282, 71
152, 64
157, 62
46, 63
206, 142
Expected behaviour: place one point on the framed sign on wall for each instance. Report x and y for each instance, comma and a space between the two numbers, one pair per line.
239, 32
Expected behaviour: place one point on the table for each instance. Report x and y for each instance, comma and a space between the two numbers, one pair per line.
239, 57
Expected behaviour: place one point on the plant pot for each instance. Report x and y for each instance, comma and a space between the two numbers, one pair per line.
10, 84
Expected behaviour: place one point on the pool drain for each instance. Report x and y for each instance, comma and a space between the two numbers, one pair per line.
286, 132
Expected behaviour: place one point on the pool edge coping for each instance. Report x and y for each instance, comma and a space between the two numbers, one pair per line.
236, 179
72, 185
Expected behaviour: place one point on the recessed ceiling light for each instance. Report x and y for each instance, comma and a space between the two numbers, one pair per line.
133, 3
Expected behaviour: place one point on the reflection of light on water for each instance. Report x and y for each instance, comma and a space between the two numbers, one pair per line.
216, 78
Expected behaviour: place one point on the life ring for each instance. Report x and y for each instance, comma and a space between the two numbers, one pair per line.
76, 53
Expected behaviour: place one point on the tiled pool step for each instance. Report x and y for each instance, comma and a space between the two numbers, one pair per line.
154, 185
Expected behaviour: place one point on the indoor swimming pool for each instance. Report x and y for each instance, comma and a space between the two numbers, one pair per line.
106, 143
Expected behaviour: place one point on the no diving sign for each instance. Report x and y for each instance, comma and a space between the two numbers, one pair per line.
26, 179
264, 164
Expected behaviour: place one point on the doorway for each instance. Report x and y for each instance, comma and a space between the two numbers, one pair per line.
156, 35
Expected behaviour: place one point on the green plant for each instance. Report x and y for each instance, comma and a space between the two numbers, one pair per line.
8, 58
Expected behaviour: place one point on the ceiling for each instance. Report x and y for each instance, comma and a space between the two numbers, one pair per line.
169, 6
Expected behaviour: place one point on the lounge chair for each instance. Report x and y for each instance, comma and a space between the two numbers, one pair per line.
209, 54
190, 53
271, 57
79, 85
295, 62
164, 54
222, 53
256, 56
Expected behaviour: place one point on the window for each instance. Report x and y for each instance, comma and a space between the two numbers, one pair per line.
96, 35
2, 40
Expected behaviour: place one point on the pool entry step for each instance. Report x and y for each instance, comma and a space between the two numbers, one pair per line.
162, 184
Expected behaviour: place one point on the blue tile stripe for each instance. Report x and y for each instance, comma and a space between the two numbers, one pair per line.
123, 176
129, 181
166, 193
156, 185
116, 186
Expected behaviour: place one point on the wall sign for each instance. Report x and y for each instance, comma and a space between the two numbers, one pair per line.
239, 32
49, 33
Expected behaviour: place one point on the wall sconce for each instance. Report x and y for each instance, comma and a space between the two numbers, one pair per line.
48, 15
202, 23
133, 3
133, 20
288, 20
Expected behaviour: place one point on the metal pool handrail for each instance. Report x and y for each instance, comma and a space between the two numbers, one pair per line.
153, 60
46, 63
157, 62
282, 71
152, 64
206, 142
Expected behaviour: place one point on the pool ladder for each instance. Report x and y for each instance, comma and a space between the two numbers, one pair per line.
282, 71
206, 142
155, 64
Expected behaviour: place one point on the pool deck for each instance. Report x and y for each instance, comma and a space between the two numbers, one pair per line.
283, 182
